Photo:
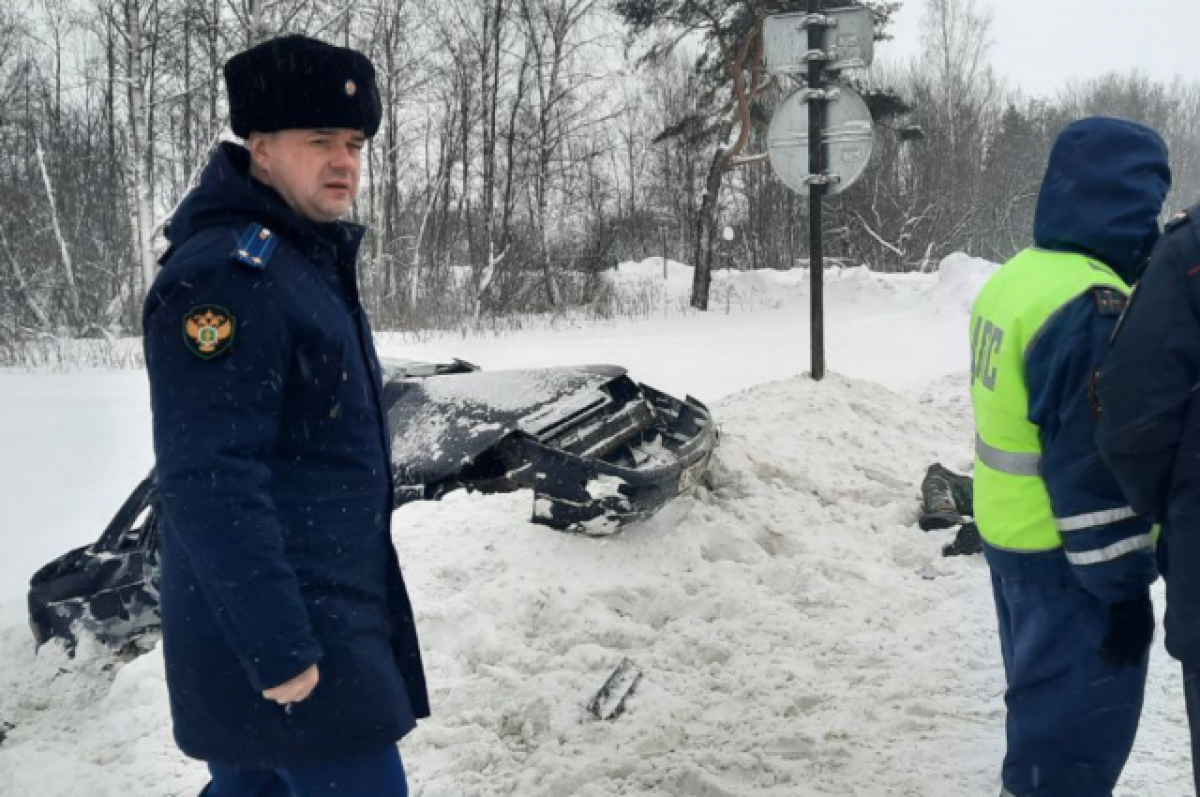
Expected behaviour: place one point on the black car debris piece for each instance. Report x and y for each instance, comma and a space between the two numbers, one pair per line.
967, 542
108, 589
597, 449
948, 500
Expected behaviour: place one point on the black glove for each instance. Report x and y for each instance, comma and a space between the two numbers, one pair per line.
1129, 633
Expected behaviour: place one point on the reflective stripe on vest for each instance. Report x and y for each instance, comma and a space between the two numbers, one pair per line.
1008, 318
1014, 464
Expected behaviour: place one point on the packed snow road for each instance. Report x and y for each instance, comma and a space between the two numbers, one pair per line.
798, 634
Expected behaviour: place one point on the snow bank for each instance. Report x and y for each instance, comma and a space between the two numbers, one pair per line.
744, 607
960, 278
89, 725
734, 289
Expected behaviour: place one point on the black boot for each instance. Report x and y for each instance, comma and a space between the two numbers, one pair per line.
939, 509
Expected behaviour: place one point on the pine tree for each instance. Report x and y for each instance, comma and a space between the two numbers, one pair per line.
731, 64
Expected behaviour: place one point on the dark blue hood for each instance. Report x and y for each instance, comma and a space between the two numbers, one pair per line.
1103, 190
227, 194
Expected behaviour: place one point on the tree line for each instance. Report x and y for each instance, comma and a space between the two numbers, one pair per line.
526, 146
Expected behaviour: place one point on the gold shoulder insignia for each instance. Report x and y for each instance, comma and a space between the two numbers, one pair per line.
208, 330
255, 247
1110, 302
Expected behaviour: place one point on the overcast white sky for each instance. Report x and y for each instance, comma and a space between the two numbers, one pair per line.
1039, 45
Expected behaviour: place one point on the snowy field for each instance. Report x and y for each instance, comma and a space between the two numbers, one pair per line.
798, 633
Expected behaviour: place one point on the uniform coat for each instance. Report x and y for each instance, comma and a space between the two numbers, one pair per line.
1149, 431
273, 462
1073, 712
1150, 426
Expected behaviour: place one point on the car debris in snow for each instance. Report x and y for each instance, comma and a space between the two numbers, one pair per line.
609, 702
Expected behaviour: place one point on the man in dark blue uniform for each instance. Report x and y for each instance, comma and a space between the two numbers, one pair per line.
1070, 561
291, 654
1150, 431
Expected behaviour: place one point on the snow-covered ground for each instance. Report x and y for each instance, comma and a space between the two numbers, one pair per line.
798, 634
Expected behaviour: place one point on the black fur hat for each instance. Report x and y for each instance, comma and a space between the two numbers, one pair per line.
298, 82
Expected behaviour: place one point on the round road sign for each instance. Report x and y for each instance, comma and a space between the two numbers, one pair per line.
848, 138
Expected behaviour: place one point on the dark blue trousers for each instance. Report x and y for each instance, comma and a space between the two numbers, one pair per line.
372, 775
1191, 694
1072, 716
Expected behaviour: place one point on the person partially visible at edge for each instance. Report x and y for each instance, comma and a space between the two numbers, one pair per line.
1149, 421
1071, 563
291, 654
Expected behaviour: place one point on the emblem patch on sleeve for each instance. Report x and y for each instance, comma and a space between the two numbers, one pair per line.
208, 330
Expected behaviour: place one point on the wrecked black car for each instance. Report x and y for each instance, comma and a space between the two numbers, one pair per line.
597, 449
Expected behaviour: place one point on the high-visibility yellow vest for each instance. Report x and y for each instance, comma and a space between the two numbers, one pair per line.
1012, 507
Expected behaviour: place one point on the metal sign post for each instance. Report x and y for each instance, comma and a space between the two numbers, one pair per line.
816, 190
833, 125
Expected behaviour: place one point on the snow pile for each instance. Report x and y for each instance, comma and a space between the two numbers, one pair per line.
960, 278
737, 290
770, 665
87, 725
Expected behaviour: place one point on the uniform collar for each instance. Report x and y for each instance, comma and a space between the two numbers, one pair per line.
343, 237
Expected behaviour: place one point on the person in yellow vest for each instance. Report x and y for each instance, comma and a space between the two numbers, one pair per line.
1071, 563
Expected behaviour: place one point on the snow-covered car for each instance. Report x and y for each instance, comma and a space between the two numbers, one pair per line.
597, 449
